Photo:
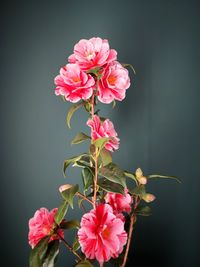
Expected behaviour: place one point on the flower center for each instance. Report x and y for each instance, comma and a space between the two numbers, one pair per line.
112, 79
89, 55
46, 229
105, 233
76, 79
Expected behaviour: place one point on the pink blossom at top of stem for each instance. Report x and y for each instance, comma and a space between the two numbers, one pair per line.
113, 83
73, 83
101, 234
119, 202
104, 129
92, 53
42, 224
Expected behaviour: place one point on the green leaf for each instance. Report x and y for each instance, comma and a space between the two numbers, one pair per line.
113, 173
130, 175
38, 252
105, 156
87, 177
79, 138
76, 244
163, 177
84, 161
61, 212
69, 194
67, 162
143, 211
88, 106
100, 142
73, 224
113, 104
129, 65
71, 112
52, 254
94, 71
109, 186
84, 263
138, 191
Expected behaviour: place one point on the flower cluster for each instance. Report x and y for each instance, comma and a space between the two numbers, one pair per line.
76, 80
93, 74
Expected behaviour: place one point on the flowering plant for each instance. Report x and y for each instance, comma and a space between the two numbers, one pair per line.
104, 232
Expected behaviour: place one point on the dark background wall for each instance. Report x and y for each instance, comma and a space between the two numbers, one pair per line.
158, 122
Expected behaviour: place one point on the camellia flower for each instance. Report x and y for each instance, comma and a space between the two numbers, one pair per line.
113, 83
42, 224
101, 234
119, 202
104, 129
73, 83
92, 53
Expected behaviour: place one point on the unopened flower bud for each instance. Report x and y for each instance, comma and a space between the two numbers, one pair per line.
64, 187
139, 173
148, 197
142, 180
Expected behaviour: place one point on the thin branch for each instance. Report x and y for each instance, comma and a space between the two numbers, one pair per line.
84, 197
132, 220
95, 161
69, 247
95, 182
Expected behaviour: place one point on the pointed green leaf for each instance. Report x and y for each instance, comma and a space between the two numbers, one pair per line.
100, 142
52, 254
38, 252
87, 177
84, 263
130, 175
113, 104
61, 212
69, 194
109, 186
131, 66
71, 112
73, 224
105, 156
163, 177
88, 106
143, 211
79, 138
76, 244
67, 162
113, 173
84, 161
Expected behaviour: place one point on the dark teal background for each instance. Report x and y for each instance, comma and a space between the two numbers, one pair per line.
158, 122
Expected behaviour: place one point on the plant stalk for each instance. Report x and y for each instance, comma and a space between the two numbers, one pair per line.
95, 162
132, 220
69, 247
84, 197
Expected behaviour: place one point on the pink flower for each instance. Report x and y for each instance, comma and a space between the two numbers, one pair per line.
113, 84
119, 202
42, 224
73, 83
102, 234
92, 53
104, 129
